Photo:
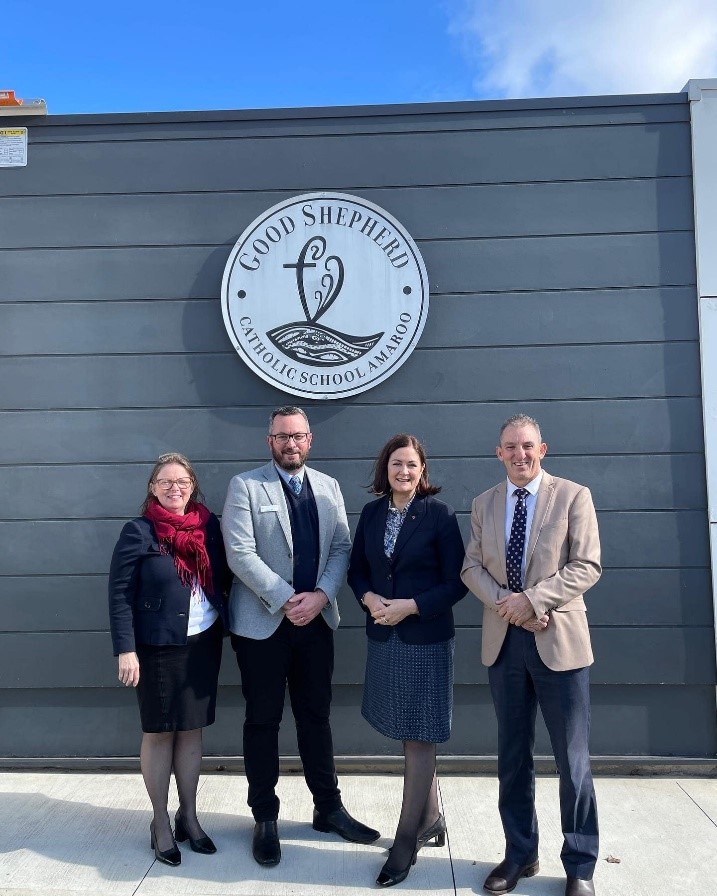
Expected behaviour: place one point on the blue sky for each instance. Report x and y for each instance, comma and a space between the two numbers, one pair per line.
153, 56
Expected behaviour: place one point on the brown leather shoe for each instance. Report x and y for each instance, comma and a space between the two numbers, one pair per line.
577, 887
504, 877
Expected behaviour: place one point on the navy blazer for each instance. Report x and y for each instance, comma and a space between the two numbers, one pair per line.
426, 566
148, 603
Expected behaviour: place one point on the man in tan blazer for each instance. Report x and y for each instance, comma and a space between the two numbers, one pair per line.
534, 551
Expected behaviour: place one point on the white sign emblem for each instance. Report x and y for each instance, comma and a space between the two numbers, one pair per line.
325, 295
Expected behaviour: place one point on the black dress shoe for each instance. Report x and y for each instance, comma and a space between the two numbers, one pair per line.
389, 877
436, 832
340, 822
504, 877
575, 886
168, 856
201, 844
265, 845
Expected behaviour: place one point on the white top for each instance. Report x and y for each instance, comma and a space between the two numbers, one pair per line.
511, 501
201, 612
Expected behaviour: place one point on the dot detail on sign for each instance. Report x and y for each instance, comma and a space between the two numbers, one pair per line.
241, 294
407, 290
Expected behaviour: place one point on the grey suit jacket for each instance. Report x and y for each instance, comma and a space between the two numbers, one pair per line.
563, 562
257, 536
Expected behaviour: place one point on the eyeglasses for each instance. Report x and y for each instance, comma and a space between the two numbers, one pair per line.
166, 484
283, 437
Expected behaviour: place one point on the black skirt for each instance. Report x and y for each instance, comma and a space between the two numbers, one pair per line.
177, 688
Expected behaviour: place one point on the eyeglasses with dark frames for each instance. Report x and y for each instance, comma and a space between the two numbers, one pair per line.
283, 437
166, 484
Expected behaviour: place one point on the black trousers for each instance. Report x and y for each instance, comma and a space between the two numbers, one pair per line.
519, 681
303, 658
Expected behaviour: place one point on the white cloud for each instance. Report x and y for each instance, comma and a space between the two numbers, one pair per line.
586, 47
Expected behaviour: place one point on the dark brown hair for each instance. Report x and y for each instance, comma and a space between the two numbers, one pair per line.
173, 457
380, 486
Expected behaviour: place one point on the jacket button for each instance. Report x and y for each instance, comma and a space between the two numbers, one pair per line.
388, 576
146, 603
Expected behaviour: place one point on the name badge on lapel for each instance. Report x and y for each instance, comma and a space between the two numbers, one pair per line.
268, 508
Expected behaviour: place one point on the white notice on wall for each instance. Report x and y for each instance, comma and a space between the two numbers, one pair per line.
13, 147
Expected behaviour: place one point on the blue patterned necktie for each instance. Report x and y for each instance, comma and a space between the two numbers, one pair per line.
295, 485
516, 542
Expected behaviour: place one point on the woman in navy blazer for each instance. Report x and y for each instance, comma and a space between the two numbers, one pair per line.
167, 586
405, 572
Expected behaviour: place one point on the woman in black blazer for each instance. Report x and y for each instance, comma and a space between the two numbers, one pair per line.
168, 580
405, 572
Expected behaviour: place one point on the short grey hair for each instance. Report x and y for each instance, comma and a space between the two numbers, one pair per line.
520, 420
288, 410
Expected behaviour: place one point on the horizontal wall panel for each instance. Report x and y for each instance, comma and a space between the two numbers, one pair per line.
78, 547
355, 161
598, 206
378, 119
98, 328
654, 597
225, 434
623, 482
623, 656
649, 370
637, 539
621, 598
646, 720
565, 262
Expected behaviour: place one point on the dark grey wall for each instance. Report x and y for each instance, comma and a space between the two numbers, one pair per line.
558, 238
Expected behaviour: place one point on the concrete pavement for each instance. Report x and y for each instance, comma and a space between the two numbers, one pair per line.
65, 834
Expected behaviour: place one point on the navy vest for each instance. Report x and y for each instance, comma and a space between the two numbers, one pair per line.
305, 534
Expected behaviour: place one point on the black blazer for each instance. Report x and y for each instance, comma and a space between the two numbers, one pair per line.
426, 566
148, 603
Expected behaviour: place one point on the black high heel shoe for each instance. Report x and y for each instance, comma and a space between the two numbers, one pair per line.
203, 844
436, 832
169, 856
389, 877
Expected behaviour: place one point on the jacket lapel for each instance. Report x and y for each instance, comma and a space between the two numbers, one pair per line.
499, 523
326, 511
415, 516
275, 494
543, 502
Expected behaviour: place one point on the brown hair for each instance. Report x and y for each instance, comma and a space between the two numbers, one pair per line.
380, 486
288, 410
173, 457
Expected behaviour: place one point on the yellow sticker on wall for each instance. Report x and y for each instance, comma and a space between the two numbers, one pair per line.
13, 147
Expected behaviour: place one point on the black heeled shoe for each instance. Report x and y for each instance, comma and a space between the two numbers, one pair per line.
203, 844
389, 877
436, 832
171, 856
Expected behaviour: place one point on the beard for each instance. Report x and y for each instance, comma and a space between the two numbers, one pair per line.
289, 461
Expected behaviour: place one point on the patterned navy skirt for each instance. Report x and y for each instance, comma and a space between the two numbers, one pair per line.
408, 689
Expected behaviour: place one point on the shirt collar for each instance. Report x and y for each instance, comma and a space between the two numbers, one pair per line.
532, 486
286, 475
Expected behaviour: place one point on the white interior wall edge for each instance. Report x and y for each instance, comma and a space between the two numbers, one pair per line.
703, 114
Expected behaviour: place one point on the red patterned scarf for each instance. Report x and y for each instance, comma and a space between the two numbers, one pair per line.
184, 537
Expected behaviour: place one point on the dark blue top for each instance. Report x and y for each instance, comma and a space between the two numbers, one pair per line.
304, 518
425, 565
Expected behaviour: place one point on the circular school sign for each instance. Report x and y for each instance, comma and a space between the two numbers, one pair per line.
325, 295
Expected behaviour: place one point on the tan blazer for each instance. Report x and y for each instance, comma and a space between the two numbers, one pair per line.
563, 561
